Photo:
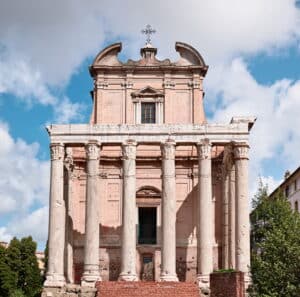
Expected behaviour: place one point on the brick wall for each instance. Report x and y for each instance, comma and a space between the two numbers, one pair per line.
227, 284
147, 289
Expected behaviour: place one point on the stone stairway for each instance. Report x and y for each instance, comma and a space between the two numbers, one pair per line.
147, 289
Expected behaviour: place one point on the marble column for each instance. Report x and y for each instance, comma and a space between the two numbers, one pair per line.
205, 232
57, 214
232, 228
225, 219
69, 166
91, 272
168, 250
129, 215
242, 208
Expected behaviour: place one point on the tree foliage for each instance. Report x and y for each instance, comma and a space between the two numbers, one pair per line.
19, 271
275, 247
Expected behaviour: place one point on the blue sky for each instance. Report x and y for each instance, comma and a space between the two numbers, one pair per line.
252, 49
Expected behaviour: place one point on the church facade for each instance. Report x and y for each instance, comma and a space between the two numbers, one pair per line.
148, 190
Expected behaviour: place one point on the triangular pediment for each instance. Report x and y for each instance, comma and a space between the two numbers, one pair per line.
147, 92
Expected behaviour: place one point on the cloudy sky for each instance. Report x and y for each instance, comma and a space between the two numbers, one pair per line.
251, 46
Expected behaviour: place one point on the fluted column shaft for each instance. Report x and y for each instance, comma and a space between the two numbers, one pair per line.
57, 213
225, 202
232, 227
205, 230
129, 216
242, 208
168, 250
91, 272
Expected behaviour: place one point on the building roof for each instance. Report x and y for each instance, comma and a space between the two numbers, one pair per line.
287, 180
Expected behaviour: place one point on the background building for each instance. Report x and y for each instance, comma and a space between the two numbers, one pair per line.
291, 188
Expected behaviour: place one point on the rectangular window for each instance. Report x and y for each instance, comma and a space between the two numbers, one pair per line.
287, 191
148, 113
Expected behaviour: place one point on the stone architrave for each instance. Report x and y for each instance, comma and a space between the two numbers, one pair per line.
57, 213
242, 208
205, 232
168, 250
129, 218
91, 272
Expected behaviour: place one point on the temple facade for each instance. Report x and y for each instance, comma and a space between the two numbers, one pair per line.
148, 190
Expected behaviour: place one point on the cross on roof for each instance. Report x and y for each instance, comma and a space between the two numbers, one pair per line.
148, 31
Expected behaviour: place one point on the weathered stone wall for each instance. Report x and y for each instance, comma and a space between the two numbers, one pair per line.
227, 284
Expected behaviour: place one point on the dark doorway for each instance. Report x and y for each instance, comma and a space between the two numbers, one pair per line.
147, 225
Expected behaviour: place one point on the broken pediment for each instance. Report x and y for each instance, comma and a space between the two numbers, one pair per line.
109, 56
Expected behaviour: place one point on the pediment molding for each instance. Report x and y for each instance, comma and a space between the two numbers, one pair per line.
148, 192
147, 92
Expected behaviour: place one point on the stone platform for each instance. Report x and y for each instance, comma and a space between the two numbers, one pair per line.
126, 289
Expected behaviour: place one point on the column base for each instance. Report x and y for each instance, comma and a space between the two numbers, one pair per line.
128, 277
89, 279
54, 280
164, 277
202, 281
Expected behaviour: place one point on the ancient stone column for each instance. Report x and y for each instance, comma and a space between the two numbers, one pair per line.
69, 176
168, 250
129, 215
242, 208
205, 232
91, 272
232, 225
57, 214
225, 219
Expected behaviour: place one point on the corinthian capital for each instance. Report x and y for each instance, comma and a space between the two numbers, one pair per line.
204, 149
57, 151
241, 151
168, 149
92, 151
129, 150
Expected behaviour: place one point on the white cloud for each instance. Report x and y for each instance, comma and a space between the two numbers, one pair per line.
276, 133
44, 43
24, 182
4, 236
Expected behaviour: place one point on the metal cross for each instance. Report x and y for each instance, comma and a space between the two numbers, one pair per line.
148, 31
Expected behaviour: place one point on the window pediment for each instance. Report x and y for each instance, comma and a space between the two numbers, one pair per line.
147, 92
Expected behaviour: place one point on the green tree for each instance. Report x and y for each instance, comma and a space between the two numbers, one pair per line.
8, 281
30, 279
275, 247
19, 271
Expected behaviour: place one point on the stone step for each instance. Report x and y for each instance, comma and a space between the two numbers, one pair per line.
147, 289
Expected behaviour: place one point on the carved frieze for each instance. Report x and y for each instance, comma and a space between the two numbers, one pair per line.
127, 85
194, 84
169, 84
92, 151
101, 84
168, 149
57, 151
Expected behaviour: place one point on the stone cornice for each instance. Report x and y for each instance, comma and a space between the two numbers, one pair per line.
150, 133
